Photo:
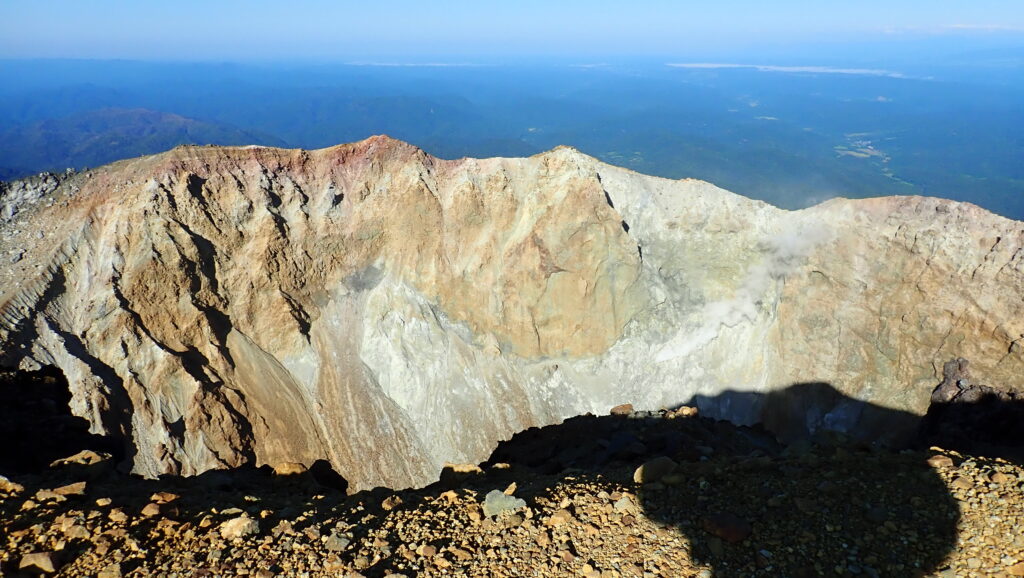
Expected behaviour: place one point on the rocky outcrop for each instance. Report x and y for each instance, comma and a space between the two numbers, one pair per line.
972, 417
389, 312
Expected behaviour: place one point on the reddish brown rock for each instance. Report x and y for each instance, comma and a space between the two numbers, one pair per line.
623, 409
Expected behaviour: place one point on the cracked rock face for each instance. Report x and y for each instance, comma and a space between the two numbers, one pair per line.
391, 312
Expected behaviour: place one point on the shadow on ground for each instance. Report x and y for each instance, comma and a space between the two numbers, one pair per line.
974, 418
37, 425
712, 498
825, 504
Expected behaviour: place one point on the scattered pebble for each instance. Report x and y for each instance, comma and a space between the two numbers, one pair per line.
584, 508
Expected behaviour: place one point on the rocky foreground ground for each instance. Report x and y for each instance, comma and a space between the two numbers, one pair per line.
630, 494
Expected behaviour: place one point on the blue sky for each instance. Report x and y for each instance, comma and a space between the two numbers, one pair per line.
322, 29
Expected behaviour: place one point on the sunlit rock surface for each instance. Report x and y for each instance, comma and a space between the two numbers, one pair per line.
390, 312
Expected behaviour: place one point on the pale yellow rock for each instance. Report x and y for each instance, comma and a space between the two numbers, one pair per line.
43, 562
1002, 478
75, 489
9, 487
654, 470
164, 497
940, 461
289, 469
239, 527
84, 457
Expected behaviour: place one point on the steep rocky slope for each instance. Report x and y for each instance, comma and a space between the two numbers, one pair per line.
390, 312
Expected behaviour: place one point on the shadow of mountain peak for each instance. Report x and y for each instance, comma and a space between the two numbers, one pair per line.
664, 493
743, 503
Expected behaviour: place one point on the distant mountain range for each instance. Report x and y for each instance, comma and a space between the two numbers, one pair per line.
102, 136
790, 133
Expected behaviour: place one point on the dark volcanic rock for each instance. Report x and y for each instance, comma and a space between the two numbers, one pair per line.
972, 417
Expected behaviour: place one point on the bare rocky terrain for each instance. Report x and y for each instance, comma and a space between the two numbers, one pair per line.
639, 494
364, 360
630, 493
389, 312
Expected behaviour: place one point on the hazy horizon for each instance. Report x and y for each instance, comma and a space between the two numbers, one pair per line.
321, 30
